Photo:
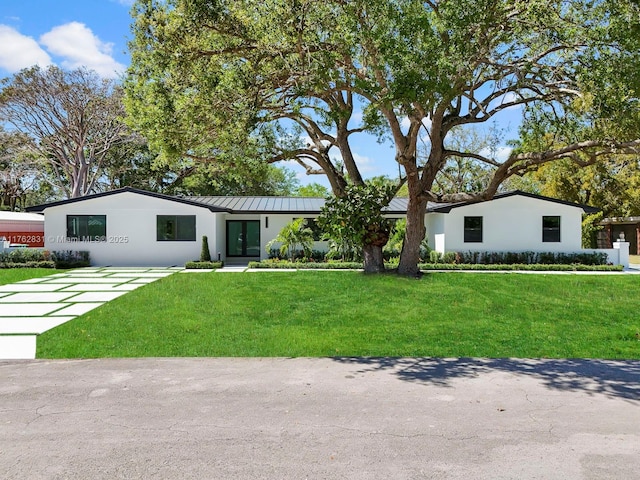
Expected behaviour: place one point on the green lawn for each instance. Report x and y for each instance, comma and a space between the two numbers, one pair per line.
350, 314
12, 275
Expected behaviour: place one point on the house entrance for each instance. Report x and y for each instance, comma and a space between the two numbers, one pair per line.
243, 238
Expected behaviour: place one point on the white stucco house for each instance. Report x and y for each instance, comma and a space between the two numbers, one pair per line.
130, 227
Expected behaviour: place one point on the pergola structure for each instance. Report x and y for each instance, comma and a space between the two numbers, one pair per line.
613, 227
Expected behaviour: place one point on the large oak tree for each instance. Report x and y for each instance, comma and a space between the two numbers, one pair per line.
209, 74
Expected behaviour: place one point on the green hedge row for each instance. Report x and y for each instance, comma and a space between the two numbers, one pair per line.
538, 267
442, 266
202, 265
35, 258
30, 264
307, 265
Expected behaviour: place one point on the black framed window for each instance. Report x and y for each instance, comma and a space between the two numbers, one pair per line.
176, 228
473, 229
550, 229
87, 228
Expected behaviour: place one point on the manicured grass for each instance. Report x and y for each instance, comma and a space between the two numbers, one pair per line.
12, 275
351, 314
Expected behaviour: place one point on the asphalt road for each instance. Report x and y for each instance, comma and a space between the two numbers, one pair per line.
342, 418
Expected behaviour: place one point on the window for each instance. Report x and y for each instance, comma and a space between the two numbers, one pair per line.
473, 229
176, 228
550, 229
87, 228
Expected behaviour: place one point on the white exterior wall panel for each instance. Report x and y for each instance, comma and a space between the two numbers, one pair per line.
131, 230
514, 224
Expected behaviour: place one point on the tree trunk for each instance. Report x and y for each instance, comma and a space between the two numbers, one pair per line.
410, 255
373, 260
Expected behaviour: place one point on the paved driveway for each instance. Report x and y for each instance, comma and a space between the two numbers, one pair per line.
325, 418
33, 306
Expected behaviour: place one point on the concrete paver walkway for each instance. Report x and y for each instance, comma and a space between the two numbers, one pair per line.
33, 306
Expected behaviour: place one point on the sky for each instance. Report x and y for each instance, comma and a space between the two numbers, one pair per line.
94, 34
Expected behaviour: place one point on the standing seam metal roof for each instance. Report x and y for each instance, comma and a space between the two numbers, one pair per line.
281, 204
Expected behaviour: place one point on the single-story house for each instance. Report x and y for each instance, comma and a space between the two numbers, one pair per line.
127, 227
20, 228
616, 227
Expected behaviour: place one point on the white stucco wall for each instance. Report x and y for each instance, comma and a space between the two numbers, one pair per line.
512, 224
131, 230
277, 223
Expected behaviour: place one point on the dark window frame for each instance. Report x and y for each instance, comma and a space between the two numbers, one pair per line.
83, 234
551, 228
188, 233
472, 232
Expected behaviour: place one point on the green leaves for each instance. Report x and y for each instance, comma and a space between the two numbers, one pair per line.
357, 216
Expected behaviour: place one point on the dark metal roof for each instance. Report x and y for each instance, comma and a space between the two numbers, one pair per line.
40, 208
447, 207
291, 205
263, 204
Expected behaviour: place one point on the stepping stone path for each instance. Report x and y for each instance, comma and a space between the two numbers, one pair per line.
33, 306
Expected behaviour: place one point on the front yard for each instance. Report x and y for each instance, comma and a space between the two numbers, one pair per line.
13, 275
350, 314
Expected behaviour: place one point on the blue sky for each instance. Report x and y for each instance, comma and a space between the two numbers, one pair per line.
94, 34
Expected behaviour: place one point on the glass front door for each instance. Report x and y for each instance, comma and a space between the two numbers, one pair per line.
243, 238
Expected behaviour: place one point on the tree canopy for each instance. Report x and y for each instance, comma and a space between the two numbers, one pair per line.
303, 78
74, 119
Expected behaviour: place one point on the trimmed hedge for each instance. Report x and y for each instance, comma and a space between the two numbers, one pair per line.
307, 265
202, 265
71, 258
35, 258
38, 264
520, 258
538, 267
442, 266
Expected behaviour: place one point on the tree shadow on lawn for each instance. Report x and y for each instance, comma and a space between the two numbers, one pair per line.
615, 379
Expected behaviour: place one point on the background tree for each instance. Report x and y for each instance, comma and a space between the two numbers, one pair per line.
74, 119
19, 173
312, 190
243, 68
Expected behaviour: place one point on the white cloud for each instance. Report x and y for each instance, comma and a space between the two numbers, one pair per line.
18, 51
79, 47
501, 154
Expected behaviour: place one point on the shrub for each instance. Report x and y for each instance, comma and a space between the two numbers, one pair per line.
526, 258
71, 258
30, 264
522, 267
306, 266
205, 254
203, 265
435, 256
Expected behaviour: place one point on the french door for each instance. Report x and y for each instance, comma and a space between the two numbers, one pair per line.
243, 238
